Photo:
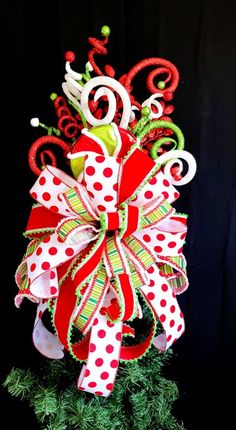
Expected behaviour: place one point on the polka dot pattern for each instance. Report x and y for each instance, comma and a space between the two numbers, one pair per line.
158, 186
162, 242
165, 307
102, 185
48, 188
99, 374
48, 255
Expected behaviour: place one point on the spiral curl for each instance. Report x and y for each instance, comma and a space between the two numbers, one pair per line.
67, 123
164, 67
36, 147
99, 49
109, 85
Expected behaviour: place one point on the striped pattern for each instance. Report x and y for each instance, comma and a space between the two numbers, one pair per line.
167, 270
32, 246
156, 214
115, 259
179, 280
137, 280
22, 273
67, 227
21, 276
78, 203
140, 252
89, 304
178, 262
178, 284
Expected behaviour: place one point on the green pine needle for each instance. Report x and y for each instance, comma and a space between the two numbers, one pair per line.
44, 402
19, 383
142, 397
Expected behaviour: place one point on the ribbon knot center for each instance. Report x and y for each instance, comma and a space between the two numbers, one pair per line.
110, 221
126, 220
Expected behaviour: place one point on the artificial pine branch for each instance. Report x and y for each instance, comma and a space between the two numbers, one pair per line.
19, 383
142, 397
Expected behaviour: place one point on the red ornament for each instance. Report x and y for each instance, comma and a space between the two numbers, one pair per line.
70, 56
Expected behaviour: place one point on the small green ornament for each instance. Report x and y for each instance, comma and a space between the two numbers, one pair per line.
161, 85
145, 111
53, 96
105, 31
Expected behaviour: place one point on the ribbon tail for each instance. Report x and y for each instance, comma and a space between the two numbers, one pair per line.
64, 309
63, 313
127, 297
90, 261
91, 301
99, 373
45, 341
162, 300
67, 300
134, 352
116, 264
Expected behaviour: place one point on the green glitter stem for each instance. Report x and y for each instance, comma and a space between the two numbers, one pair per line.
50, 130
85, 77
140, 124
80, 113
158, 143
87, 73
163, 124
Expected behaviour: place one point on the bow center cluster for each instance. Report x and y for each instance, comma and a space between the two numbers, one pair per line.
125, 220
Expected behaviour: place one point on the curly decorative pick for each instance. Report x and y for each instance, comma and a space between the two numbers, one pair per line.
162, 124
105, 91
36, 146
152, 100
99, 49
171, 158
164, 67
67, 123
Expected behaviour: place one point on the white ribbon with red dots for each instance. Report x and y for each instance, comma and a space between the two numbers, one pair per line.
99, 373
101, 184
165, 306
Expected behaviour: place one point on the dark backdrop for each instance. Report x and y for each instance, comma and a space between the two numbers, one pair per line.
199, 37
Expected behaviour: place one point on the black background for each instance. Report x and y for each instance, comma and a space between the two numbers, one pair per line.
199, 37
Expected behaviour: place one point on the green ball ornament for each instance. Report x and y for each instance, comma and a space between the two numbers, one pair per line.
145, 111
105, 31
53, 96
161, 85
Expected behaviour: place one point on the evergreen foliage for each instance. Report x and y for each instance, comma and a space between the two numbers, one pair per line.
142, 397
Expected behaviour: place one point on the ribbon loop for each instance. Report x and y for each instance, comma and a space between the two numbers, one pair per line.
75, 230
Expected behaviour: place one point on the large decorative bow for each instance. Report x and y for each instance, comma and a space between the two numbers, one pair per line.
94, 246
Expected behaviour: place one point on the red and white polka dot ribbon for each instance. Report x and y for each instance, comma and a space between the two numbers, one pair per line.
67, 207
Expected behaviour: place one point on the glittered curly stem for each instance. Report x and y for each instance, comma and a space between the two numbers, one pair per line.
162, 124
99, 49
165, 67
67, 123
156, 145
51, 140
